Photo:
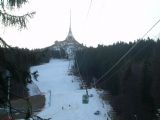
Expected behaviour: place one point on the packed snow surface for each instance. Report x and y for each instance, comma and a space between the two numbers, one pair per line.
64, 96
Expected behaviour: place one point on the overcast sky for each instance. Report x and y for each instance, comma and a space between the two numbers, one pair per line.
107, 22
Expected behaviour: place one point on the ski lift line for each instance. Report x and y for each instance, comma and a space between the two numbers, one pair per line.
79, 71
81, 77
151, 28
90, 5
123, 65
60, 53
83, 59
106, 73
69, 65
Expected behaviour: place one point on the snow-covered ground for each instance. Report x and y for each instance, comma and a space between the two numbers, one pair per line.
64, 96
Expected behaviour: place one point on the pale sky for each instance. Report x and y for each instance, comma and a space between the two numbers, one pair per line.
108, 21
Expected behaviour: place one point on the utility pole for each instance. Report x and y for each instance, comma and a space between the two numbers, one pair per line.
8, 78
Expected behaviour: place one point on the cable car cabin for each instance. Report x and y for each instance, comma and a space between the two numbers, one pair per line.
85, 99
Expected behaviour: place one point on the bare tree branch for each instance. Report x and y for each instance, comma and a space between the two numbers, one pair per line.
4, 44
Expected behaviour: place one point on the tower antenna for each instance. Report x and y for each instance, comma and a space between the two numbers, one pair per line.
70, 29
70, 21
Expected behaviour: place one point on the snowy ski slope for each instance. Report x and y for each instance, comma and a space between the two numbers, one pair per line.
64, 96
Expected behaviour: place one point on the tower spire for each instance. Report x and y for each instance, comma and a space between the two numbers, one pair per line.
70, 30
70, 37
70, 21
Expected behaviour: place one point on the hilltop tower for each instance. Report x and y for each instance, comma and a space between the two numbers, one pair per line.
69, 45
70, 37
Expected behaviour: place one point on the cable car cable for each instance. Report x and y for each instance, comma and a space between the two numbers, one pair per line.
106, 73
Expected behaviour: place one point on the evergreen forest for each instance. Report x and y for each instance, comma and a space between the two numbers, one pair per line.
134, 82
15, 65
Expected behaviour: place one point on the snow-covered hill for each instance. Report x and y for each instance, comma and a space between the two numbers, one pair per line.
64, 96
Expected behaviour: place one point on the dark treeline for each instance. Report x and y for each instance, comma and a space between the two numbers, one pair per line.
15, 65
134, 83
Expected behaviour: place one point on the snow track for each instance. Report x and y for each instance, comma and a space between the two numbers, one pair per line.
64, 97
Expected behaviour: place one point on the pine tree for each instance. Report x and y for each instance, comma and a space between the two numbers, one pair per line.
8, 19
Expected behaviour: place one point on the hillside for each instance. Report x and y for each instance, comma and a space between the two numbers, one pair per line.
134, 81
64, 96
